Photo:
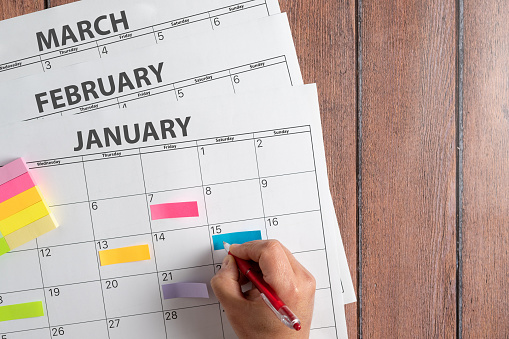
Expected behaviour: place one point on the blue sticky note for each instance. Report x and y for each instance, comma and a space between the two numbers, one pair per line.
235, 238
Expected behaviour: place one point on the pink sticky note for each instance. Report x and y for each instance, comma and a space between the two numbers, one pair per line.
174, 210
16, 186
12, 170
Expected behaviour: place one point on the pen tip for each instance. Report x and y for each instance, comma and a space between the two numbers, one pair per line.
226, 246
297, 326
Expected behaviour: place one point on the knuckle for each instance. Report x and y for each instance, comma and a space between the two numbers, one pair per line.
273, 245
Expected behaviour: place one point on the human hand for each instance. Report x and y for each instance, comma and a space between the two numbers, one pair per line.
249, 316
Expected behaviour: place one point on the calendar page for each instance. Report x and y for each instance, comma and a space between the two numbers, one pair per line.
253, 164
237, 59
82, 31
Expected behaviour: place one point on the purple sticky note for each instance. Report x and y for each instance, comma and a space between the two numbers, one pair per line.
185, 290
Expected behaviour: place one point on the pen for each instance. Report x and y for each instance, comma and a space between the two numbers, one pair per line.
267, 293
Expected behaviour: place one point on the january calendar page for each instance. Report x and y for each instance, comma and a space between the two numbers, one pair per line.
253, 166
79, 32
257, 55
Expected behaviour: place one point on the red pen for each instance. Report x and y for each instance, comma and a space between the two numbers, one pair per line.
267, 293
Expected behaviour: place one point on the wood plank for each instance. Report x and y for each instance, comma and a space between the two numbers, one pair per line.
12, 8
408, 169
54, 3
486, 170
324, 35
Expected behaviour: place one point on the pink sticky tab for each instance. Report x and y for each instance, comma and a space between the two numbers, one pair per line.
12, 170
174, 210
16, 186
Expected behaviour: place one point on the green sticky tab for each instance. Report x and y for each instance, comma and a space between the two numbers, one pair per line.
21, 311
4, 247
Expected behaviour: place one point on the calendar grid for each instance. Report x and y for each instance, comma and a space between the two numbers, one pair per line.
115, 38
137, 153
43, 287
97, 252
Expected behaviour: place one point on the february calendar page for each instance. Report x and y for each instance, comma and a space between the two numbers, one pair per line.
253, 166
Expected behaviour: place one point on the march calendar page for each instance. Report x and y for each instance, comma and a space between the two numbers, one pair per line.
66, 35
254, 165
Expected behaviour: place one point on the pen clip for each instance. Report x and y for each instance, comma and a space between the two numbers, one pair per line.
284, 318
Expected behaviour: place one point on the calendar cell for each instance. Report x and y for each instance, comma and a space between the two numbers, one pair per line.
233, 201
183, 249
285, 154
182, 28
28, 278
69, 56
175, 168
88, 330
75, 303
162, 96
323, 314
74, 225
183, 195
323, 333
273, 76
290, 194
61, 184
230, 227
228, 331
27, 334
120, 43
120, 217
195, 275
131, 268
104, 180
227, 161
232, 16
206, 322
68, 264
143, 292
308, 224
315, 263
23, 324
139, 326
204, 86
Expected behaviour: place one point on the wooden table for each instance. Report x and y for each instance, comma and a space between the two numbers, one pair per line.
415, 112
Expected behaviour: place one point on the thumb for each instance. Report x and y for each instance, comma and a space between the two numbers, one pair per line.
226, 285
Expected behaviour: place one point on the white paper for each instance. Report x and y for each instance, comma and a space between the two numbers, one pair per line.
237, 59
61, 36
246, 159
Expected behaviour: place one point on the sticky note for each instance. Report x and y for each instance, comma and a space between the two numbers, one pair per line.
124, 255
31, 231
12, 170
235, 238
4, 247
16, 186
20, 202
23, 218
21, 311
185, 290
174, 210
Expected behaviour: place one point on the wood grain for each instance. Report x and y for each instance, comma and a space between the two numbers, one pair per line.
324, 35
54, 3
408, 169
13, 8
486, 170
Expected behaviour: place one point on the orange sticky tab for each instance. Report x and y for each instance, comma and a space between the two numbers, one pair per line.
124, 255
20, 202
31, 231
23, 218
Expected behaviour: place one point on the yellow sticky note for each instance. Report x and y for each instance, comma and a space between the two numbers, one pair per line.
23, 218
124, 255
20, 202
31, 231
21, 311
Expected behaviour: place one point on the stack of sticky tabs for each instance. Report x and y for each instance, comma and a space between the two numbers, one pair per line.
24, 215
